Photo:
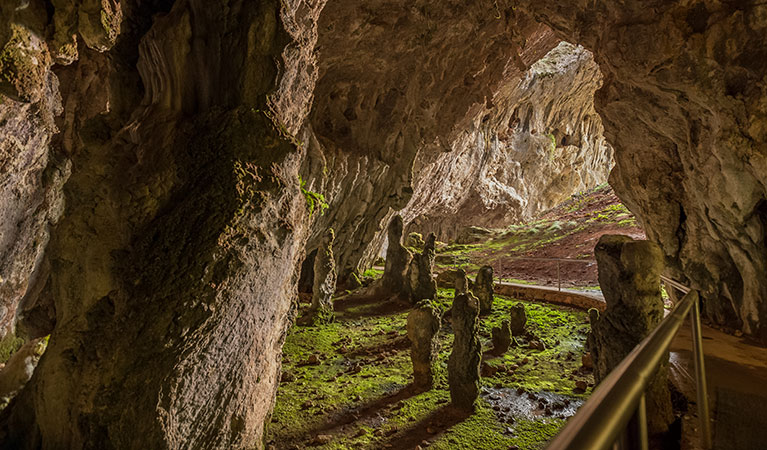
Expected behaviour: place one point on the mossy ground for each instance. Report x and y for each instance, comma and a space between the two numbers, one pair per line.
357, 393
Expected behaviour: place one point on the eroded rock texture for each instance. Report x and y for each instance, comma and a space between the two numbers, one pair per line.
483, 289
324, 279
517, 319
629, 274
394, 279
501, 338
173, 266
423, 324
687, 117
421, 284
464, 360
537, 142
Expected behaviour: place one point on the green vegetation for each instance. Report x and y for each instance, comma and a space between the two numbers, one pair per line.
313, 199
348, 380
8, 346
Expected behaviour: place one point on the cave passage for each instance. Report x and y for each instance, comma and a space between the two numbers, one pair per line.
231, 224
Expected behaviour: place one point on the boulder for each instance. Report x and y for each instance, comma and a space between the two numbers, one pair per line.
463, 364
483, 289
423, 324
629, 275
398, 259
518, 319
421, 284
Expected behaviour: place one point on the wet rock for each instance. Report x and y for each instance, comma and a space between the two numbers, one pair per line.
421, 284
394, 280
483, 289
463, 364
629, 274
518, 319
423, 324
324, 280
501, 338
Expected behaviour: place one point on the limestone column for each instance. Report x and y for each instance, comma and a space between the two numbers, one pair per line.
324, 280
398, 258
463, 364
483, 289
420, 279
629, 275
423, 324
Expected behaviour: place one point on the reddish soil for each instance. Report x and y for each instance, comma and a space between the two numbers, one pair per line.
584, 219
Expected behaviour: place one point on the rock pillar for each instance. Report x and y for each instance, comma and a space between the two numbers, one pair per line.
398, 258
483, 289
324, 279
518, 319
420, 279
463, 364
423, 324
629, 275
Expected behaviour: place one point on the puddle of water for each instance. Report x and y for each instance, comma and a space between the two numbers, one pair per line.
511, 404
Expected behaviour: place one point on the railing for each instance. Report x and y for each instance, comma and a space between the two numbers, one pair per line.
615, 416
559, 262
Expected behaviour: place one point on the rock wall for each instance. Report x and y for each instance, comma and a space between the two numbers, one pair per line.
397, 85
538, 142
687, 117
172, 270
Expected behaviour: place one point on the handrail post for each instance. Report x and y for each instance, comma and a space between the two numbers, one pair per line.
700, 377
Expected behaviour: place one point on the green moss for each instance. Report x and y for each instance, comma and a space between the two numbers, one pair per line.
8, 346
313, 199
372, 337
373, 273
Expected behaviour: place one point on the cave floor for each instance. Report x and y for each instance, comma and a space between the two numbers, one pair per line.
347, 384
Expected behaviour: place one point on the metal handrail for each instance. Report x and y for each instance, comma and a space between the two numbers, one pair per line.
602, 421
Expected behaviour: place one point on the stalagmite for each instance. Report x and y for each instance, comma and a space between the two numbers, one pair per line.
518, 320
629, 274
461, 282
421, 283
501, 338
463, 364
324, 280
397, 260
423, 324
483, 289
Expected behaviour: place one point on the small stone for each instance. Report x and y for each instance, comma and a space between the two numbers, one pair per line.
580, 385
307, 404
322, 439
587, 361
313, 360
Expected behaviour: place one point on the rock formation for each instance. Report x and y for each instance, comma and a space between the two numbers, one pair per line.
538, 142
501, 338
186, 209
420, 279
461, 282
687, 119
483, 289
19, 368
395, 279
423, 324
517, 319
324, 280
629, 274
463, 364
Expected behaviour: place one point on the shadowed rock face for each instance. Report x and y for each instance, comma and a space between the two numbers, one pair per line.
420, 278
687, 118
